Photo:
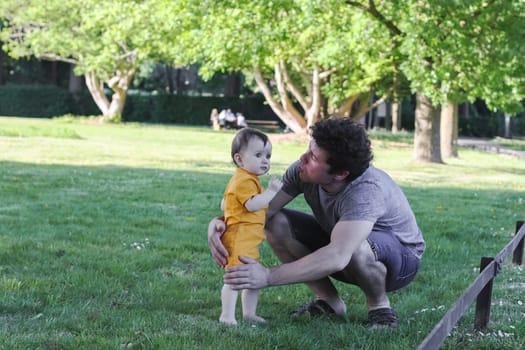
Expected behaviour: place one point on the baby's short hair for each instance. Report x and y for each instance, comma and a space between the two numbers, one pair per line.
242, 138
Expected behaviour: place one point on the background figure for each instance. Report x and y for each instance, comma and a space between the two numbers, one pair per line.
214, 119
244, 206
222, 119
230, 121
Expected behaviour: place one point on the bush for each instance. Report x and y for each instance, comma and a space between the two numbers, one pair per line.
192, 110
48, 101
34, 100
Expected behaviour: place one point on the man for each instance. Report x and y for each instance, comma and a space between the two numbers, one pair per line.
362, 230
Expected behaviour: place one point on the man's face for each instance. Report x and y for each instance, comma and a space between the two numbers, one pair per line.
313, 167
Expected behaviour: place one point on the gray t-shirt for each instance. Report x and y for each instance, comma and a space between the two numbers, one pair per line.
373, 196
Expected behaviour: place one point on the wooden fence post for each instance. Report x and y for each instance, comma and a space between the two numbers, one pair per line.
517, 257
481, 289
484, 299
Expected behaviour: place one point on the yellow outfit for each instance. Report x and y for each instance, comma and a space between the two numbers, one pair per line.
244, 229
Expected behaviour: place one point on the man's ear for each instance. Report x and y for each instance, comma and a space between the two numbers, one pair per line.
342, 175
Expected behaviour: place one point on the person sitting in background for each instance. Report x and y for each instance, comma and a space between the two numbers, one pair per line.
230, 121
241, 121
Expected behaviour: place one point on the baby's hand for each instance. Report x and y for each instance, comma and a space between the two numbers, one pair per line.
275, 184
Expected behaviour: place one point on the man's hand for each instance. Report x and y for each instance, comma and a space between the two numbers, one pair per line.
216, 229
251, 275
275, 184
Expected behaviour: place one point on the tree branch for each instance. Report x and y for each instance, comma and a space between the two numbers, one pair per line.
263, 86
372, 10
291, 86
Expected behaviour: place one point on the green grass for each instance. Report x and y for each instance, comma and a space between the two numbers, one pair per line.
103, 244
516, 144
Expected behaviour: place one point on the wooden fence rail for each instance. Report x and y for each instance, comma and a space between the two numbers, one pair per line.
480, 289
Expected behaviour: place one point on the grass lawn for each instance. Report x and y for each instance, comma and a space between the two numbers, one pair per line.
103, 244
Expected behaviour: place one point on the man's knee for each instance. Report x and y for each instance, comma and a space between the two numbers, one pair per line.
363, 256
277, 228
364, 261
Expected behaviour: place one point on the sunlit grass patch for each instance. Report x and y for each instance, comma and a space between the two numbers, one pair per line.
32, 129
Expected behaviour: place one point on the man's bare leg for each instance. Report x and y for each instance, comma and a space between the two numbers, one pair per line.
370, 275
287, 248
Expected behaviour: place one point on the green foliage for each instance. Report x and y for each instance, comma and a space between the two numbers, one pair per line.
459, 51
103, 244
241, 35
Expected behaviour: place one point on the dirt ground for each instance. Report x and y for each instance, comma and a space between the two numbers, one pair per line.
289, 137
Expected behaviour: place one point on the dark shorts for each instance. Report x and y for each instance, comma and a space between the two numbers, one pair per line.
401, 263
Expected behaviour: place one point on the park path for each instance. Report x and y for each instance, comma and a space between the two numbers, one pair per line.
486, 145
480, 144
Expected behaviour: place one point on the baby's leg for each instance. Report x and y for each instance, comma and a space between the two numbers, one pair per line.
250, 298
229, 299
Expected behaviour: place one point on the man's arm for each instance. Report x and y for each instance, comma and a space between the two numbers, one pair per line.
277, 203
347, 236
216, 229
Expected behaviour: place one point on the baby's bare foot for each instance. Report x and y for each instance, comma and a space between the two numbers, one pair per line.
228, 322
254, 318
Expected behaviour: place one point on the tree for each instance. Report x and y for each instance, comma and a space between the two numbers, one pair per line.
306, 64
106, 41
453, 52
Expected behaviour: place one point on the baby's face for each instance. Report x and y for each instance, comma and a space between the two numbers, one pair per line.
255, 157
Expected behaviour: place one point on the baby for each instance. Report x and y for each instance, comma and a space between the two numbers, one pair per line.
244, 204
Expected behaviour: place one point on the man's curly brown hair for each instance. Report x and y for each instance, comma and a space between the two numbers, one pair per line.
346, 144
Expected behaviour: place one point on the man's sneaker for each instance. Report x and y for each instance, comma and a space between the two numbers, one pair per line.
317, 307
385, 317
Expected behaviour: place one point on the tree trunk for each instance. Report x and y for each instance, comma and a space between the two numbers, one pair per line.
54, 72
75, 81
179, 84
388, 116
232, 86
449, 131
508, 130
426, 137
286, 111
365, 105
119, 84
96, 88
396, 117
312, 113
2, 60
168, 70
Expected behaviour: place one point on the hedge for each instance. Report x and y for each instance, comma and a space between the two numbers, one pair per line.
34, 100
48, 101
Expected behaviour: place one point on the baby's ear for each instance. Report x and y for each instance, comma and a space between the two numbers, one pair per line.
237, 159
